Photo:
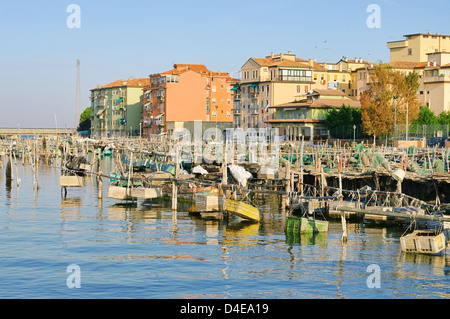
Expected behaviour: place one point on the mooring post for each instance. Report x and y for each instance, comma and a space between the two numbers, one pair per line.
99, 177
343, 221
174, 184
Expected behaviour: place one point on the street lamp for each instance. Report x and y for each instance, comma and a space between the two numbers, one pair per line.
354, 132
395, 117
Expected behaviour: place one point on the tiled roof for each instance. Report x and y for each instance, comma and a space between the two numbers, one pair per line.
132, 82
320, 103
286, 62
326, 92
402, 64
199, 68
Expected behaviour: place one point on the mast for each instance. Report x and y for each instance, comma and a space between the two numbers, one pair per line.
78, 96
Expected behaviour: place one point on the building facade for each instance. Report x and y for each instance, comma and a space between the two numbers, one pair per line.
116, 108
306, 117
184, 94
270, 81
415, 47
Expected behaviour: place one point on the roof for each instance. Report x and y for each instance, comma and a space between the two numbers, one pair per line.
286, 62
320, 103
403, 64
328, 92
274, 121
199, 68
130, 82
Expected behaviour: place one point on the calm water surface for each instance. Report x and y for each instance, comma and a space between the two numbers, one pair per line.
148, 252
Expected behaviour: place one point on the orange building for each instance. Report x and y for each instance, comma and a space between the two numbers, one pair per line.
187, 93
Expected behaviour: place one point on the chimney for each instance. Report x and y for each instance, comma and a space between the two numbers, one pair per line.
282, 56
434, 63
311, 62
289, 52
272, 55
428, 64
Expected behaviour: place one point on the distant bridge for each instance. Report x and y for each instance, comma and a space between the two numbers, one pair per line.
7, 132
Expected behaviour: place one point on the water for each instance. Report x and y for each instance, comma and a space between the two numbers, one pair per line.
148, 252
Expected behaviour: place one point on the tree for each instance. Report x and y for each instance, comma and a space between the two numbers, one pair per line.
341, 121
444, 118
378, 106
426, 116
85, 120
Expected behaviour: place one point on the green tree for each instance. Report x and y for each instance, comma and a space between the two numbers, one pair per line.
85, 120
340, 121
444, 118
426, 116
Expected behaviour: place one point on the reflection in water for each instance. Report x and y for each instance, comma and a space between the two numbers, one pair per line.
243, 233
438, 261
185, 255
296, 238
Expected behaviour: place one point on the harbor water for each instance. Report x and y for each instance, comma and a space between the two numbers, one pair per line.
147, 251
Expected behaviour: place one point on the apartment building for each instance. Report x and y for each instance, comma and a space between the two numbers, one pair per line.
343, 74
270, 81
306, 117
187, 93
415, 47
116, 108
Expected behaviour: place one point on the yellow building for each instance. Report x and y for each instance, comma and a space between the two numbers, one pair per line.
416, 46
343, 76
273, 80
116, 108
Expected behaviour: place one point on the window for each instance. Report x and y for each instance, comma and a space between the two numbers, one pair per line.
409, 51
228, 114
214, 88
298, 89
214, 114
228, 101
315, 76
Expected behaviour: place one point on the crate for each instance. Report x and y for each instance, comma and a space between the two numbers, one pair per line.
144, 192
423, 242
71, 181
242, 210
208, 203
118, 192
305, 225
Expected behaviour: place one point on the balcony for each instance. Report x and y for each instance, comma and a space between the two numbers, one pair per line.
236, 97
253, 111
436, 78
254, 95
237, 111
161, 98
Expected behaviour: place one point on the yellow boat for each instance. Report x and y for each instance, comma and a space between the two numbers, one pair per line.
242, 210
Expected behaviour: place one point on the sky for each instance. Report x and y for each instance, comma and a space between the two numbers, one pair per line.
119, 39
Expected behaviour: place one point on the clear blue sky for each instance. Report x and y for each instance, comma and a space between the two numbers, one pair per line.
119, 39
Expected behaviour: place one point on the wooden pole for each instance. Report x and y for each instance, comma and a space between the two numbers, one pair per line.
343, 221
